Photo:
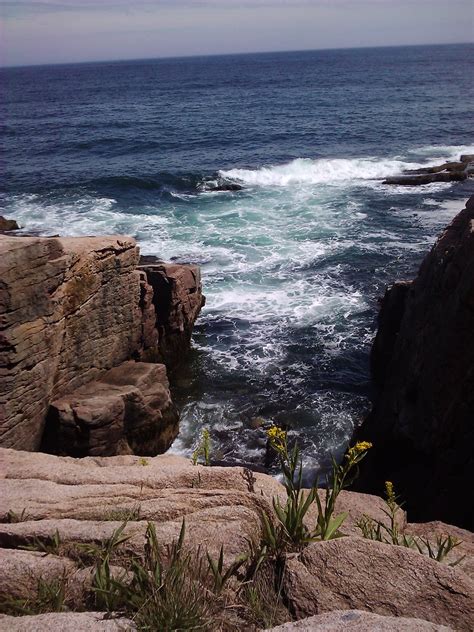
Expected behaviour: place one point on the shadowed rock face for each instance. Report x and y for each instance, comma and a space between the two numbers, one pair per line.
177, 301
423, 362
72, 309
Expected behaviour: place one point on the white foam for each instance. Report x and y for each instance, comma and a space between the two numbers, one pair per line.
340, 170
321, 171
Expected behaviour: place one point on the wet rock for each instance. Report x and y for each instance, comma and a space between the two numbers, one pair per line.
352, 573
7, 224
227, 186
447, 172
427, 178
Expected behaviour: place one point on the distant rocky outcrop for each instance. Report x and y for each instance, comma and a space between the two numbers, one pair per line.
72, 309
423, 367
177, 300
446, 172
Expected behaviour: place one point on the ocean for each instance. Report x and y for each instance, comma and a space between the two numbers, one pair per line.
294, 263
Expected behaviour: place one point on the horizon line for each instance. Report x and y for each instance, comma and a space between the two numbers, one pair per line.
238, 54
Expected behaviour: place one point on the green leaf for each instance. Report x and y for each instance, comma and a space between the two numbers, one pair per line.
333, 526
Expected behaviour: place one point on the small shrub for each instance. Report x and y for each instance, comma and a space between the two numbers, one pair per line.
390, 533
123, 514
13, 517
50, 546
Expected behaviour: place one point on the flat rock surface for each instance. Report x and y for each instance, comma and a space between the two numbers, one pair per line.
65, 622
359, 621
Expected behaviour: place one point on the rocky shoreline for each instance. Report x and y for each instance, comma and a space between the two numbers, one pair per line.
87, 332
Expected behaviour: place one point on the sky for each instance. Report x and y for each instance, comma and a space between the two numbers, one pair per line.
61, 31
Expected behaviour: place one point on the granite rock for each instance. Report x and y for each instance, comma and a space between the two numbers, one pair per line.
353, 573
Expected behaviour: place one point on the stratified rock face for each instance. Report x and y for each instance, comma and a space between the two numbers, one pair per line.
177, 299
423, 360
70, 310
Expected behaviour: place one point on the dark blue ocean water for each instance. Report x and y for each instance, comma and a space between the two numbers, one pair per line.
294, 262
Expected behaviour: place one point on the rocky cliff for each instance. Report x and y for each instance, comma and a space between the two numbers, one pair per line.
422, 422
72, 312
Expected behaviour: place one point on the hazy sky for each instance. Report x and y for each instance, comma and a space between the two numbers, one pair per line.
47, 31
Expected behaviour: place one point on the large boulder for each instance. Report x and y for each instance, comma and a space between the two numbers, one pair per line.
127, 411
423, 363
353, 573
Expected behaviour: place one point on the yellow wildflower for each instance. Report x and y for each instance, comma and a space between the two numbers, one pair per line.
277, 438
362, 446
389, 491
358, 451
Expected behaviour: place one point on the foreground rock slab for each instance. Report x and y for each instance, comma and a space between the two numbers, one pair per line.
352, 573
359, 621
66, 622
